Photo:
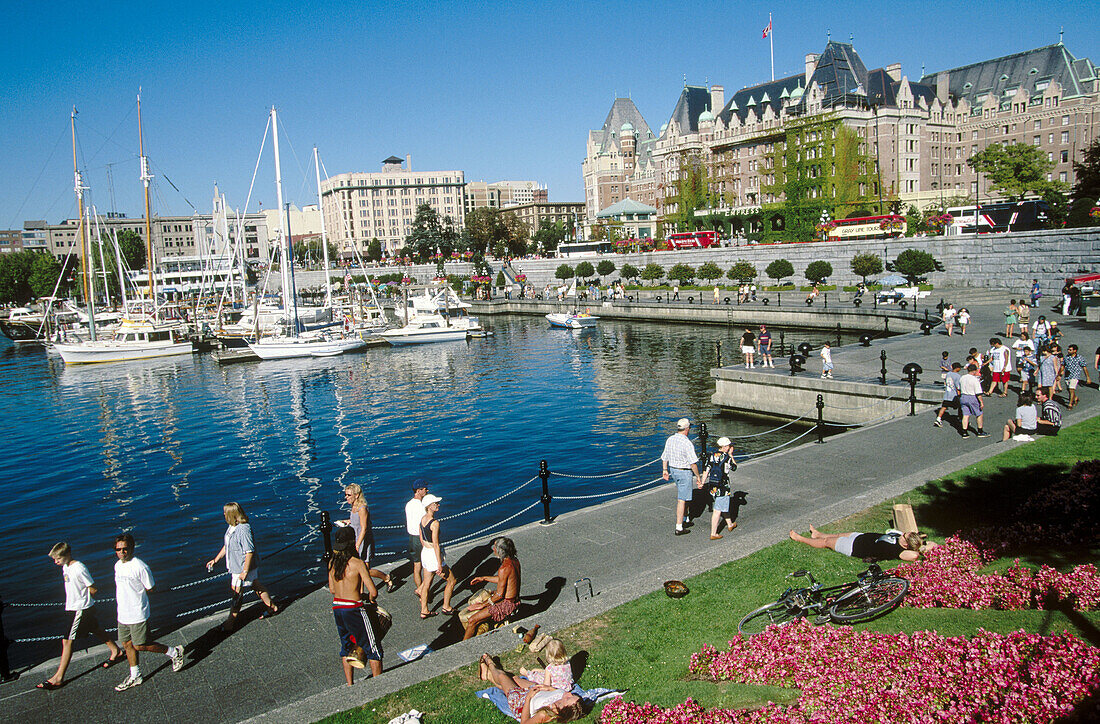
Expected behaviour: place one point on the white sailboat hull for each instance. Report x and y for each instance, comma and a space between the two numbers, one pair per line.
83, 353
403, 336
571, 321
291, 347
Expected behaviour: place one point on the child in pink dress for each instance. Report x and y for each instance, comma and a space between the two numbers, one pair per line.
558, 672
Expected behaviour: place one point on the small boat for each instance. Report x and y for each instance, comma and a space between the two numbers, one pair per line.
309, 344
573, 320
435, 316
424, 330
131, 341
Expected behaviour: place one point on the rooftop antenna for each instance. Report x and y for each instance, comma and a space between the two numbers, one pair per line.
1061, 31
852, 39
828, 35
685, 80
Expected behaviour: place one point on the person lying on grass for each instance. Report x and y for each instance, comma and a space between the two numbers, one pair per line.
531, 703
869, 546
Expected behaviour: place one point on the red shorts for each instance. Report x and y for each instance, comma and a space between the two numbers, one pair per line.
1000, 376
502, 609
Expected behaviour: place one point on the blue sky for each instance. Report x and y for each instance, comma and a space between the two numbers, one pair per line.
499, 90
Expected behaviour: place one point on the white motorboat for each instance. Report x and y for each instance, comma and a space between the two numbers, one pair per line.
437, 315
131, 341
424, 329
310, 344
569, 320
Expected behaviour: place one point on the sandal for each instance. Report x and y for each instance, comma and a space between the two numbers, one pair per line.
390, 585
429, 614
269, 612
447, 611
47, 685
114, 660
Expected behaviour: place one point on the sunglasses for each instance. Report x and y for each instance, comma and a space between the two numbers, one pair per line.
123, 548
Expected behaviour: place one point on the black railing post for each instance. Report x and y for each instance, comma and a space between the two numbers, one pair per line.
826, 300
326, 534
703, 440
6, 674
781, 352
886, 328
544, 473
838, 339
820, 420
778, 298
912, 394
718, 353
874, 298
926, 315
882, 356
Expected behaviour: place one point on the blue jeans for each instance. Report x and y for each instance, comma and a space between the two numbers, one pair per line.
684, 480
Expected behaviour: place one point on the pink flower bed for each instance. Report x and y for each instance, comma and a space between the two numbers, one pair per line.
866, 676
948, 577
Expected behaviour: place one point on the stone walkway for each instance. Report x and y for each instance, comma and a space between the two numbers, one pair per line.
285, 669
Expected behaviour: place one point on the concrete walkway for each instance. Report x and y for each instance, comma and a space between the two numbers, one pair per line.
286, 669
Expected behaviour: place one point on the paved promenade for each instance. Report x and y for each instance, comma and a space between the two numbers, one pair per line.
286, 669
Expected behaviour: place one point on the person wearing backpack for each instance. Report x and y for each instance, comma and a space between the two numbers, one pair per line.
716, 480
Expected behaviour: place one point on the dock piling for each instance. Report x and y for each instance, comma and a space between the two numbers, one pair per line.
882, 356
718, 353
326, 534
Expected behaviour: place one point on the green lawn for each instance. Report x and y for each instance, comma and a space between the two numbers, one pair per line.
645, 645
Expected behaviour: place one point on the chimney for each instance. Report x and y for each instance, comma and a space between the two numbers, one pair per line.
717, 98
943, 80
811, 66
894, 71
408, 162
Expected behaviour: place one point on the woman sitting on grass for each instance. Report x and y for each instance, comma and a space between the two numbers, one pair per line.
531, 703
873, 546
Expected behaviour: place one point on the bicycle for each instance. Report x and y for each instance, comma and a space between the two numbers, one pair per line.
871, 594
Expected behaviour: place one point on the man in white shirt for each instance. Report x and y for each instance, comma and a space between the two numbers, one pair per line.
414, 511
133, 582
1000, 365
681, 464
970, 399
79, 589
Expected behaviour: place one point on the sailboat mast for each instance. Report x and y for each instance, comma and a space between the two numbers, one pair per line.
146, 177
324, 234
79, 188
289, 305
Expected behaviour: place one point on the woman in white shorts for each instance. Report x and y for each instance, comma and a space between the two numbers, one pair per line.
748, 347
431, 559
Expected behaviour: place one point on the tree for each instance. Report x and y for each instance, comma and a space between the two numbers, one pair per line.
483, 229
311, 251
865, 265
653, 272
914, 221
1015, 169
549, 235
914, 265
564, 272
682, 273
629, 271
599, 232
44, 273
585, 270
710, 271
1080, 212
426, 234
1087, 173
132, 247
605, 268
818, 271
742, 271
515, 242
780, 269
15, 270
374, 250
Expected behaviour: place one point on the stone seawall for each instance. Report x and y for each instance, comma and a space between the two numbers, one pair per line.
992, 261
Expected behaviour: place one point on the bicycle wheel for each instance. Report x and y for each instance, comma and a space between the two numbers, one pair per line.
861, 604
779, 613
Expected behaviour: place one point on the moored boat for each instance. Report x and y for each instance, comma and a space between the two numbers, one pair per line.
571, 320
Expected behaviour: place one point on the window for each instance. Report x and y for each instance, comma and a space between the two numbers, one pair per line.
1062, 176
1037, 140
1038, 124
1065, 120
1065, 137
1065, 157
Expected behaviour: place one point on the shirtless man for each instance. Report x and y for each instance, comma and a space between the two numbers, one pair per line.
347, 577
505, 599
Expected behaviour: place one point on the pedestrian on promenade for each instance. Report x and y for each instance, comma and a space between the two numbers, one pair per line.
1027, 364
999, 365
827, 361
945, 365
716, 479
1020, 346
715, 293
79, 590
1076, 369
949, 313
243, 562
748, 347
1040, 331
764, 339
1023, 314
364, 531
1048, 371
1050, 415
504, 599
970, 400
963, 319
431, 559
1010, 318
1036, 293
1023, 425
348, 580
950, 393
681, 464
414, 511
675, 292
869, 546
1067, 297
133, 584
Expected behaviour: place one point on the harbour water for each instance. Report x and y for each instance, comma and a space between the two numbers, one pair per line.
155, 448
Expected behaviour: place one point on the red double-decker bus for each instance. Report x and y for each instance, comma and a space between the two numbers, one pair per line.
692, 239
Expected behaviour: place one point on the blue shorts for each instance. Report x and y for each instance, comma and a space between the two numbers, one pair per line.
968, 405
355, 629
722, 503
684, 480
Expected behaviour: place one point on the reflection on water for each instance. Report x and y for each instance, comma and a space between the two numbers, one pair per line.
156, 448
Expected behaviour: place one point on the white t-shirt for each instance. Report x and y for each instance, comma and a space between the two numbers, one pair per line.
998, 357
414, 511
949, 315
132, 579
1022, 344
970, 385
77, 579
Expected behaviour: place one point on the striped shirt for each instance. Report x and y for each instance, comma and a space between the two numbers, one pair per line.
1051, 413
679, 452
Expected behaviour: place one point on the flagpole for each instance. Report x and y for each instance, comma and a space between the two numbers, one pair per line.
771, 44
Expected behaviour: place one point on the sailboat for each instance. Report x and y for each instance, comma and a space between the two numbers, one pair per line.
295, 342
133, 339
571, 320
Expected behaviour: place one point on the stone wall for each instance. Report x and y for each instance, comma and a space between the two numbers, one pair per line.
993, 261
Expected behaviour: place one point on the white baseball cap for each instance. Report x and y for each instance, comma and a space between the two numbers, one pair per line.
723, 441
683, 423
429, 499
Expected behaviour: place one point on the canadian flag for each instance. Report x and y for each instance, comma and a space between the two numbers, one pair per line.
768, 30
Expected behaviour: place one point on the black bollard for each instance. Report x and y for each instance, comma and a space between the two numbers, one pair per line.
703, 440
544, 473
882, 356
820, 420
6, 674
779, 298
826, 300
781, 352
874, 298
911, 371
926, 315
886, 327
838, 340
718, 353
326, 534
